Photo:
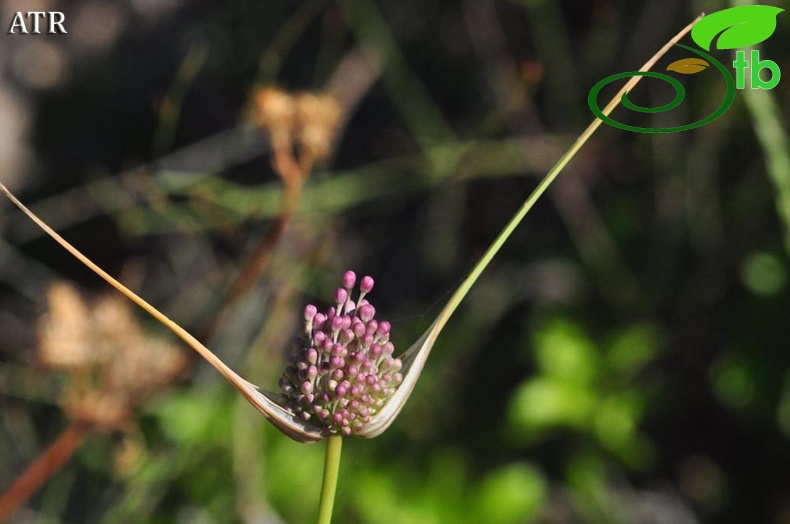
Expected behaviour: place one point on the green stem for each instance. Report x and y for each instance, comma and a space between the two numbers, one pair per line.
334, 445
482, 264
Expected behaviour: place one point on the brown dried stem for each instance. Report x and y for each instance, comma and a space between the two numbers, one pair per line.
46, 465
293, 182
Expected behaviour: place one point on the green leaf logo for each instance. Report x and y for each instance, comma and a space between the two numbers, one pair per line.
738, 26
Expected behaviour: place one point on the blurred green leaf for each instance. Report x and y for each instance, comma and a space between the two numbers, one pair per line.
194, 417
564, 351
783, 409
513, 493
632, 348
733, 382
545, 402
764, 273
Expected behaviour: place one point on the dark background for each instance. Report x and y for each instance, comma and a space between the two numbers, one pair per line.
623, 359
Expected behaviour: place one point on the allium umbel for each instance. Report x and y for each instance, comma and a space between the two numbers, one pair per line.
345, 371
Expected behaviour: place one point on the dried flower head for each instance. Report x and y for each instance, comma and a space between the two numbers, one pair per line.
64, 332
318, 117
345, 372
274, 111
305, 122
111, 363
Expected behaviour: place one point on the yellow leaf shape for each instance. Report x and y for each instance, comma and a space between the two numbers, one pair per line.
688, 66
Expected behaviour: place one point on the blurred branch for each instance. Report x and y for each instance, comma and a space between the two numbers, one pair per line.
583, 221
201, 160
370, 183
419, 112
170, 108
285, 39
772, 136
49, 462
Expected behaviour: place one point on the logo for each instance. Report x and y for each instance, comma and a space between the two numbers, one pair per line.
735, 27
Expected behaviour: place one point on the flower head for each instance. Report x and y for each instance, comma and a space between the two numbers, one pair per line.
345, 371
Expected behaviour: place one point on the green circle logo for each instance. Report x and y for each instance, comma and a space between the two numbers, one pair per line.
680, 95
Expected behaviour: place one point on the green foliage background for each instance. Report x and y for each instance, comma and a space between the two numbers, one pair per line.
625, 359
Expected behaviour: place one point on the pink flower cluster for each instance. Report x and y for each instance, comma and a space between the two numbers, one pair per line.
345, 371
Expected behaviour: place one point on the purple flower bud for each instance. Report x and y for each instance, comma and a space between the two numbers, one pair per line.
375, 351
358, 328
311, 356
366, 285
339, 350
349, 279
336, 362
372, 326
319, 338
337, 324
319, 320
383, 328
310, 312
306, 387
366, 313
341, 295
